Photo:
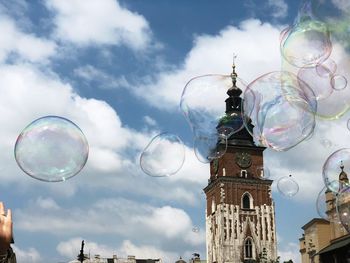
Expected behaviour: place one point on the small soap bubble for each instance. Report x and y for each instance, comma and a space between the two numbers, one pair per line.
51, 149
326, 200
287, 186
209, 147
195, 229
335, 168
263, 172
339, 82
163, 156
326, 143
279, 110
348, 124
343, 207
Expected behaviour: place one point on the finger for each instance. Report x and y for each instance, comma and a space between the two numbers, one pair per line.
2, 209
9, 215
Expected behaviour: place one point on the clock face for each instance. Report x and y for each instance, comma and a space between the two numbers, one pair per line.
243, 159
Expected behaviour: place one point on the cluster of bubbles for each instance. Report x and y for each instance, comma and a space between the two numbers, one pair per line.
163, 156
314, 48
51, 149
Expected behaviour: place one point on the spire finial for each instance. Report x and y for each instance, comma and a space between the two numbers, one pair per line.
234, 74
342, 166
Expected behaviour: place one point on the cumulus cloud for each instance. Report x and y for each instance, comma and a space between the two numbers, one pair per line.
30, 255
291, 251
257, 46
22, 45
70, 247
99, 23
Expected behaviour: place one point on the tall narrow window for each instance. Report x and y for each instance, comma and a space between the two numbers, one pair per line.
248, 248
246, 201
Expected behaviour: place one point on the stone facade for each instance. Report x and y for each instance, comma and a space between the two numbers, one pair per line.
240, 216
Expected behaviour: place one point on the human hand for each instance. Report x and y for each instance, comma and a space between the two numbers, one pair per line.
5, 229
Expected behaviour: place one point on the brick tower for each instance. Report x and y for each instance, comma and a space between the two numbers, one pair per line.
240, 215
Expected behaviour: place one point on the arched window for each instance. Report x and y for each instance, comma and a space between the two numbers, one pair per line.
248, 248
213, 206
247, 201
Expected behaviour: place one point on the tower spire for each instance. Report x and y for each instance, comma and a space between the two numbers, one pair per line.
234, 91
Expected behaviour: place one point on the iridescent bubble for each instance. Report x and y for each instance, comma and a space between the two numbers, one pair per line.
202, 103
348, 124
306, 44
287, 186
51, 149
209, 147
327, 68
321, 85
334, 170
279, 110
326, 205
343, 207
263, 172
339, 82
163, 156
230, 124
195, 229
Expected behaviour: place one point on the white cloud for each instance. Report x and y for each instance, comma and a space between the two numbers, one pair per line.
99, 22
279, 8
150, 121
70, 247
291, 251
255, 43
30, 255
99, 79
26, 46
148, 224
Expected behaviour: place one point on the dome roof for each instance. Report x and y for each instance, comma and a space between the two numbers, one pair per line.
180, 261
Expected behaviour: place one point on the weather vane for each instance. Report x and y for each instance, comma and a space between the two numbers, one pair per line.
234, 74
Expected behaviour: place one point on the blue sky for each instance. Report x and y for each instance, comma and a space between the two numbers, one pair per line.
117, 69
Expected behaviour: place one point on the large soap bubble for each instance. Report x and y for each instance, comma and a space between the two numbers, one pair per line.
334, 170
307, 43
163, 156
279, 110
51, 149
343, 207
202, 103
287, 186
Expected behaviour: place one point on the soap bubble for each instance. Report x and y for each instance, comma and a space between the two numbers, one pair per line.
163, 156
230, 124
279, 110
202, 103
321, 85
287, 186
195, 229
51, 149
343, 207
348, 124
339, 82
306, 44
263, 172
326, 205
326, 143
334, 168
209, 147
